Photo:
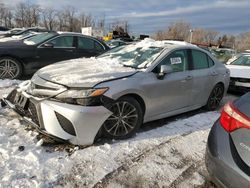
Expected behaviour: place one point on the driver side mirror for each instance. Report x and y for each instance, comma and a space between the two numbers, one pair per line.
48, 45
165, 69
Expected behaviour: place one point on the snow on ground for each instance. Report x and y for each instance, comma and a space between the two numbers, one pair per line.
171, 155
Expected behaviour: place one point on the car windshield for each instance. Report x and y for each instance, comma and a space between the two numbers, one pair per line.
137, 57
242, 60
38, 38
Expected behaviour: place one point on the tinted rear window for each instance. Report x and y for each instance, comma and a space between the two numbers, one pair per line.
200, 60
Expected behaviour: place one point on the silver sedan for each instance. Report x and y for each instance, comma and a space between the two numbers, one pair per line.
114, 94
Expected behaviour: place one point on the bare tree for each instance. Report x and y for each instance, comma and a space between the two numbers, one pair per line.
2, 13
160, 35
120, 26
86, 20
201, 35
211, 36
49, 18
60, 21
9, 19
231, 41
5, 16
69, 15
20, 14
178, 30
242, 41
35, 14
26, 14
101, 23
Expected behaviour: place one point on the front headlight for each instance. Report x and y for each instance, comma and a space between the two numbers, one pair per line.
89, 97
79, 94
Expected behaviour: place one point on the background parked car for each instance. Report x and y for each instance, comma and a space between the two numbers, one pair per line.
14, 30
21, 31
117, 42
25, 57
228, 146
3, 29
116, 92
222, 54
240, 73
19, 37
236, 56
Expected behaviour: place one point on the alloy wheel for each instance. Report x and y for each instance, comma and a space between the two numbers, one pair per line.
123, 120
9, 68
216, 97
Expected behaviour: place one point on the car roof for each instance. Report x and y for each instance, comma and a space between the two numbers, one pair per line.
74, 34
164, 43
179, 44
70, 33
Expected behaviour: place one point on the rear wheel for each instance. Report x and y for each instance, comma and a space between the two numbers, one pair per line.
126, 119
10, 68
215, 97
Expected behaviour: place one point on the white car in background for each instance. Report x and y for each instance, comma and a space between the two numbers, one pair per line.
240, 73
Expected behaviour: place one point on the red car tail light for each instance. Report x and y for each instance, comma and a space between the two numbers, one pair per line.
232, 119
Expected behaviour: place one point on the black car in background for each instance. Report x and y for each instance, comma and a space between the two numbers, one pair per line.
3, 28
25, 57
228, 146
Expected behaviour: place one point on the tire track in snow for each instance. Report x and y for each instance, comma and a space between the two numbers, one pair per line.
125, 167
186, 174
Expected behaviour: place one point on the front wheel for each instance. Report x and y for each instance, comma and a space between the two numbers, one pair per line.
126, 119
10, 68
215, 97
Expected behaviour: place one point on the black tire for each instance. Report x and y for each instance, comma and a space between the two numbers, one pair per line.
126, 119
10, 68
215, 97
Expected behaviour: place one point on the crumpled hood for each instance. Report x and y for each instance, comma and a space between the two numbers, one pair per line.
239, 71
84, 72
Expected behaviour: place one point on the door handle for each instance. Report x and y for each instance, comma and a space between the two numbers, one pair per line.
213, 73
189, 77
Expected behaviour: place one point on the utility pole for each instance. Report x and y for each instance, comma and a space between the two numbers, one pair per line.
191, 35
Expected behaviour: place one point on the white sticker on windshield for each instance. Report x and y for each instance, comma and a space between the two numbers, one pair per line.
175, 60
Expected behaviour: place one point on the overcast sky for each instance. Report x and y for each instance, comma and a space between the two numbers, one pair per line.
149, 16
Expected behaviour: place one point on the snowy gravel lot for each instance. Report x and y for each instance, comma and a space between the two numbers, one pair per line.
165, 153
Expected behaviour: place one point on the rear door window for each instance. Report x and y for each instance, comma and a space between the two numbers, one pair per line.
210, 61
86, 43
63, 42
200, 59
89, 44
98, 46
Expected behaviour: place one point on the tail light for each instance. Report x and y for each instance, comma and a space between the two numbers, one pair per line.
232, 119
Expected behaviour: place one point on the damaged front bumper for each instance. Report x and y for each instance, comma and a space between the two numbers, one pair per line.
73, 123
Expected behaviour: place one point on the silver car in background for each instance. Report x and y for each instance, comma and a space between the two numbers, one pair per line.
114, 94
